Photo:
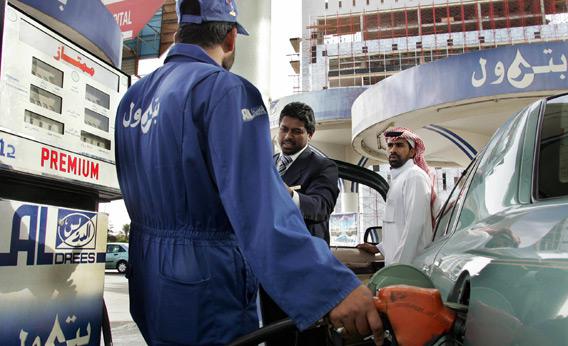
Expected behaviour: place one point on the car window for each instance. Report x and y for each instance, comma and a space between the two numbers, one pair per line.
358, 207
121, 248
452, 204
553, 150
360, 204
113, 248
494, 182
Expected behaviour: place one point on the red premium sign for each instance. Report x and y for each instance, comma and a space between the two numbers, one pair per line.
132, 15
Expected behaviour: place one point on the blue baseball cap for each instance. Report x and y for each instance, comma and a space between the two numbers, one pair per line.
211, 11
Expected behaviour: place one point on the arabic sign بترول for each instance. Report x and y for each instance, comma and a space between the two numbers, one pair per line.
52, 264
131, 16
508, 70
520, 73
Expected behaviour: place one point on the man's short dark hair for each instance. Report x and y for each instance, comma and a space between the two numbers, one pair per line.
302, 112
206, 34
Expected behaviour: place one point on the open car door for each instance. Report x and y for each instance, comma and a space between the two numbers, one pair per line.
360, 262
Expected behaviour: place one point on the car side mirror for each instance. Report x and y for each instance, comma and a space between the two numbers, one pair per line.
373, 235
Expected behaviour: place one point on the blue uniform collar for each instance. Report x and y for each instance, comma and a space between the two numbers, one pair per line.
192, 51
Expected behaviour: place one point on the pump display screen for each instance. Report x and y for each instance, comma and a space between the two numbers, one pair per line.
96, 96
45, 99
47, 72
59, 105
43, 122
96, 120
95, 140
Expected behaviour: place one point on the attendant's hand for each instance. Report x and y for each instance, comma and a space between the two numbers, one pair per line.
358, 316
370, 248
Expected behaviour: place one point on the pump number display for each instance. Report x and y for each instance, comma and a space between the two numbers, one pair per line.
7, 150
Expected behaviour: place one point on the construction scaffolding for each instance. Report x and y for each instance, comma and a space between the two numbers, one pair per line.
363, 48
294, 60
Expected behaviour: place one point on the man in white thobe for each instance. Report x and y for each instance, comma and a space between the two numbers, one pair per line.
407, 224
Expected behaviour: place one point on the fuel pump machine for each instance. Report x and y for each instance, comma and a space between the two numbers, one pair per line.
59, 89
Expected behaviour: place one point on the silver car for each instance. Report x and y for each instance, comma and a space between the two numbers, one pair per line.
500, 246
117, 257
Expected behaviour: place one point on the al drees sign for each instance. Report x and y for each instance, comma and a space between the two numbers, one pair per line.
52, 269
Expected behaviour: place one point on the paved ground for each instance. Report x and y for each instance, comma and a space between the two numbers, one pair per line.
124, 331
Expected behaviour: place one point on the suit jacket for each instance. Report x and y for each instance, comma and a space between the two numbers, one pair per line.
317, 176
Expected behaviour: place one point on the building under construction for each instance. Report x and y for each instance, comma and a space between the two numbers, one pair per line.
361, 42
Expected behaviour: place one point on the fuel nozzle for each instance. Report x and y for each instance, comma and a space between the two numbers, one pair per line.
417, 316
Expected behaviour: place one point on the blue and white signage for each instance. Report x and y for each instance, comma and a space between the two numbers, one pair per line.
89, 18
75, 230
520, 68
328, 105
510, 70
52, 269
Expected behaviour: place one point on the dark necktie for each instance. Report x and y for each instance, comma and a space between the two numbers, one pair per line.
283, 163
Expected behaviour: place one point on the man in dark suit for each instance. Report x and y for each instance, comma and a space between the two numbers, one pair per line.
311, 180
310, 177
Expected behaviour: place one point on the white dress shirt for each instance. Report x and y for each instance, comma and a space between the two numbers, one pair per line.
407, 226
295, 196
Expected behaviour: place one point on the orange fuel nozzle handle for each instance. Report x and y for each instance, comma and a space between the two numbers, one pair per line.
417, 315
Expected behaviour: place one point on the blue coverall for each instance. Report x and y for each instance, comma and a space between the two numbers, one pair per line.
209, 211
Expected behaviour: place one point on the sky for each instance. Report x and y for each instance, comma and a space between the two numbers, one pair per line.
285, 23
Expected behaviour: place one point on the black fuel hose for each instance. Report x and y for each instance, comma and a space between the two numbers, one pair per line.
264, 333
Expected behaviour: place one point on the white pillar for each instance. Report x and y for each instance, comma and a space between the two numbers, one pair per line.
252, 59
350, 202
